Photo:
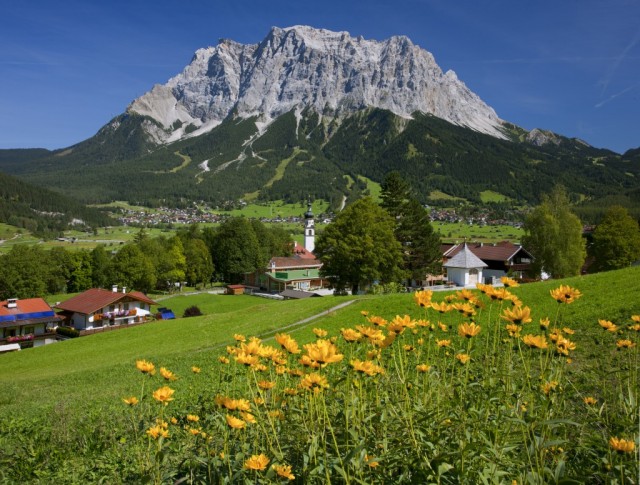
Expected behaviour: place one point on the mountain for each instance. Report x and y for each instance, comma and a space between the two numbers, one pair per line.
301, 67
309, 111
43, 212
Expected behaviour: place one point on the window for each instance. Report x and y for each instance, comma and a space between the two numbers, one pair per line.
27, 330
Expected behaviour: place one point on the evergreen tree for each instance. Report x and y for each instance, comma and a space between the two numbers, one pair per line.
553, 234
359, 247
616, 240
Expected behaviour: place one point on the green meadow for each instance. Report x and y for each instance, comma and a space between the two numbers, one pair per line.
383, 390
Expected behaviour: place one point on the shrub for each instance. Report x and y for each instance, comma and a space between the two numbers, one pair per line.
192, 311
68, 332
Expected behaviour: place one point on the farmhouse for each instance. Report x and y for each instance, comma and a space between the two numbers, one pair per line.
500, 259
28, 322
97, 308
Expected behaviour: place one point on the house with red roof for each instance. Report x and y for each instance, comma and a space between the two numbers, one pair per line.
96, 308
501, 259
29, 322
300, 271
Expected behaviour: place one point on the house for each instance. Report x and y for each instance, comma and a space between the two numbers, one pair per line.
464, 268
501, 259
301, 271
235, 289
29, 322
97, 308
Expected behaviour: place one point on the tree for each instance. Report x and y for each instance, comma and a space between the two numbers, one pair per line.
553, 234
616, 240
359, 247
100, 267
199, 263
235, 249
413, 230
133, 269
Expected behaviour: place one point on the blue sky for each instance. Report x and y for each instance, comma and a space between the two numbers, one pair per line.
573, 67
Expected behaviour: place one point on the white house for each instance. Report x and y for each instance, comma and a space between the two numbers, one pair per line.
465, 268
28, 323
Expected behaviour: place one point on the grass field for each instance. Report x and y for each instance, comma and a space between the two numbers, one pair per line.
452, 232
408, 409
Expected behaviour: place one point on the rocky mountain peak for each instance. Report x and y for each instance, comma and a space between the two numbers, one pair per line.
303, 67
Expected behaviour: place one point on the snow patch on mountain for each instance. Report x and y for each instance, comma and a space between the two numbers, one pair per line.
303, 67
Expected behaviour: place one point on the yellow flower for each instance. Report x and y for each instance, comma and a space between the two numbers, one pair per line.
193, 418
248, 417
423, 368
235, 423
364, 313
257, 462
398, 324
314, 382
163, 395
442, 307
194, 431
590, 401
233, 404
306, 361
537, 341
517, 315
565, 294
463, 358
247, 359
635, 318
443, 343
608, 325
288, 343
290, 391
370, 461
443, 327
319, 332
373, 334
367, 367
173, 421
568, 331
625, 344
423, 323
167, 374
622, 445
223, 360
468, 330
635, 327
509, 282
514, 330
501, 294
145, 367
324, 352
350, 335
466, 295
544, 323
131, 401
388, 340
423, 298
158, 432
284, 471
265, 385
564, 345
465, 308
240, 338
377, 321
547, 387
196, 370
276, 414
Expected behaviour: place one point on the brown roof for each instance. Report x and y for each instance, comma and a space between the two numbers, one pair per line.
302, 252
28, 305
502, 251
293, 262
97, 298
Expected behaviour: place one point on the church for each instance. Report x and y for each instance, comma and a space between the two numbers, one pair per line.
300, 271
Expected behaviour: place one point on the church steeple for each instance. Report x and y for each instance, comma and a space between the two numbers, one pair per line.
309, 229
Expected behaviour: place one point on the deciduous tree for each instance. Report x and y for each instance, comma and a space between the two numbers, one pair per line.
359, 247
616, 240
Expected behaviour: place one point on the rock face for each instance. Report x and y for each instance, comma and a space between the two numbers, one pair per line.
301, 67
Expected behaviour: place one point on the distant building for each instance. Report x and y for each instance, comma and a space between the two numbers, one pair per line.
464, 268
97, 308
28, 323
309, 230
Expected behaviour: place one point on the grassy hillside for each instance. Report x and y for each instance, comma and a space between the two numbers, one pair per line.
510, 413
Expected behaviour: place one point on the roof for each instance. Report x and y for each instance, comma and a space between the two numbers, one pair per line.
465, 259
26, 310
295, 275
235, 287
302, 252
502, 251
293, 263
97, 298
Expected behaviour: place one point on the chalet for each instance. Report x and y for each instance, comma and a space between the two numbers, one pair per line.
29, 323
500, 258
96, 308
